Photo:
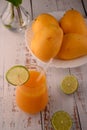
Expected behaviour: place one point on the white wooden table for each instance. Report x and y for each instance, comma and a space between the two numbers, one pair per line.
13, 51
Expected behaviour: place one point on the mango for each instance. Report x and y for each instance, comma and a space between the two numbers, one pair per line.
73, 22
73, 46
47, 42
42, 21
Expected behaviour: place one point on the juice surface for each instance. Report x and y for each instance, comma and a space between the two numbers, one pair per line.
32, 97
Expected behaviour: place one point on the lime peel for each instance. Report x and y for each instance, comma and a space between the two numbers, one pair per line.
17, 75
69, 84
61, 120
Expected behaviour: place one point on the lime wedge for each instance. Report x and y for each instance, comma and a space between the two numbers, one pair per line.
17, 75
61, 121
69, 84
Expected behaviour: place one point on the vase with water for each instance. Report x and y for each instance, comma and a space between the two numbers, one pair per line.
15, 17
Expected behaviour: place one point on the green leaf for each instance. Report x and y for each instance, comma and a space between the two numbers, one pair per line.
15, 2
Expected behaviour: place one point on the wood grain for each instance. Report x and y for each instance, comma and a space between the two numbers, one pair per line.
40, 6
13, 51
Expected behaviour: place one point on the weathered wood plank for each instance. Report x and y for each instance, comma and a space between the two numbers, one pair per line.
69, 4
58, 100
84, 4
40, 6
13, 51
80, 96
43, 6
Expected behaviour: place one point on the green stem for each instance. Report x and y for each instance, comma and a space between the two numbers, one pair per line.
12, 11
20, 16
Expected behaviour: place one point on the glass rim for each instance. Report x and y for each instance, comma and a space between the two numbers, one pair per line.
33, 66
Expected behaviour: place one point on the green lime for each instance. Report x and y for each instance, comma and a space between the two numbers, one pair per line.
69, 84
17, 75
61, 121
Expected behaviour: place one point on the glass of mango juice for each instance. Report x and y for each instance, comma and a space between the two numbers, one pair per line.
31, 96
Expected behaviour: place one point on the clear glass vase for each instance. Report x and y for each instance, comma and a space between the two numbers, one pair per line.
15, 18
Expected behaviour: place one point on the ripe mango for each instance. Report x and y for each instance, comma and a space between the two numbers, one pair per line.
73, 22
42, 21
73, 46
47, 42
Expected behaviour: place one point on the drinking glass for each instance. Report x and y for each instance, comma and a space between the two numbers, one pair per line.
32, 97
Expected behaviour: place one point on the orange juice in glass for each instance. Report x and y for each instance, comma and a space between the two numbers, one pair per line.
32, 97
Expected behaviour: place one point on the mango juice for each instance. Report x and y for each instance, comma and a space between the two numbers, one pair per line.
32, 97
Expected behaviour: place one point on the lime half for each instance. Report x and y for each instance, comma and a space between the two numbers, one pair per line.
69, 84
17, 75
61, 121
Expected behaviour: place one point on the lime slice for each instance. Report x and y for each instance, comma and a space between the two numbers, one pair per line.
69, 84
17, 75
61, 121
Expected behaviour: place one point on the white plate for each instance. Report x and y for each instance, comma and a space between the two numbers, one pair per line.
55, 62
